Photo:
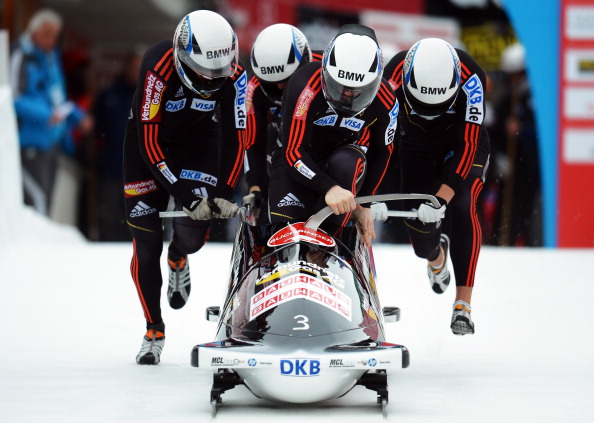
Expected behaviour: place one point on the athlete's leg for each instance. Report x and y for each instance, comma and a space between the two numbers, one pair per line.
142, 215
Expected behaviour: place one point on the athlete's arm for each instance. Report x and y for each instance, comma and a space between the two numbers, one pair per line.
470, 114
301, 93
256, 135
156, 70
379, 138
233, 127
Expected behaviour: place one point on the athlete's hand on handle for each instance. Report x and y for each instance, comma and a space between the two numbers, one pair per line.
379, 211
340, 200
224, 209
364, 219
253, 202
428, 213
200, 209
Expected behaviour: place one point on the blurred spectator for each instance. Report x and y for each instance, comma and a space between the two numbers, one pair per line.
511, 201
111, 110
71, 190
522, 196
45, 116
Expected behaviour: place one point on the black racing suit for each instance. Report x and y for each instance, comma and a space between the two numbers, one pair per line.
172, 145
264, 121
452, 149
321, 149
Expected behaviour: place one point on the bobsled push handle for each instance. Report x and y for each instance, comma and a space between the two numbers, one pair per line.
316, 220
178, 213
181, 213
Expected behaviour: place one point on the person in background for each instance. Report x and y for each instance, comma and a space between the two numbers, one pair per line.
45, 115
111, 109
443, 151
339, 119
175, 145
278, 51
520, 206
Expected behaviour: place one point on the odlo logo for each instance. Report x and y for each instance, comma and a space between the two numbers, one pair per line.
300, 367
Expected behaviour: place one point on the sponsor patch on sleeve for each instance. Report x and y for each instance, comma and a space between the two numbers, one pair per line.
475, 110
391, 129
166, 172
240, 94
151, 99
140, 188
198, 176
303, 103
304, 170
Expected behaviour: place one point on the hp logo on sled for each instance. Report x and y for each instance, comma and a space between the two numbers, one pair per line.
300, 367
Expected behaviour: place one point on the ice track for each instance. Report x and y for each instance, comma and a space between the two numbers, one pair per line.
72, 325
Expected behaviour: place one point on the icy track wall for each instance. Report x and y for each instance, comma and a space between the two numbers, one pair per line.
11, 196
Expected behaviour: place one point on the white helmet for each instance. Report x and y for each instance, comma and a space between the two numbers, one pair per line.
279, 50
431, 77
204, 51
513, 58
352, 69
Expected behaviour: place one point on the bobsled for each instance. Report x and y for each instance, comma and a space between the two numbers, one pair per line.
301, 321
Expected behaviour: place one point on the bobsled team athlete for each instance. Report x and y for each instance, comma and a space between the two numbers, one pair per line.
339, 119
444, 151
278, 51
172, 148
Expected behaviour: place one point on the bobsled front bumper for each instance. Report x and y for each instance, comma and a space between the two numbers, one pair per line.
300, 376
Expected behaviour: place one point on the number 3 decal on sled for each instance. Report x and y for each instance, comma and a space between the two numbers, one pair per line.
302, 320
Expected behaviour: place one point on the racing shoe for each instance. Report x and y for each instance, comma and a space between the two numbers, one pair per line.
179, 282
461, 321
152, 345
440, 278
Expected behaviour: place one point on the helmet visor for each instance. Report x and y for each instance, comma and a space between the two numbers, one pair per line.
199, 83
345, 100
272, 91
215, 63
426, 109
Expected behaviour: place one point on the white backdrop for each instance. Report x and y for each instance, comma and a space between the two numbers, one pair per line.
10, 168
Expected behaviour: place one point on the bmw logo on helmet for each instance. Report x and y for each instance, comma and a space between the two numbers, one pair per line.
431, 77
352, 69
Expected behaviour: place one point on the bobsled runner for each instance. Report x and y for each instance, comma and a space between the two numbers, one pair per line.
301, 321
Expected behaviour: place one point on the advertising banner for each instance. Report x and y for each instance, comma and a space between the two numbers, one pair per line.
576, 125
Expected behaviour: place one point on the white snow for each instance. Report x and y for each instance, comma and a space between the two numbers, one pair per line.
72, 325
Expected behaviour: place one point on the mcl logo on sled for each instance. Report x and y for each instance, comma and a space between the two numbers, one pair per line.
300, 367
